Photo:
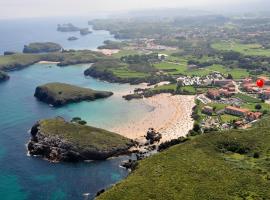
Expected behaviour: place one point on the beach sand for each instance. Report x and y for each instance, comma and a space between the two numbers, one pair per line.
171, 116
47, 62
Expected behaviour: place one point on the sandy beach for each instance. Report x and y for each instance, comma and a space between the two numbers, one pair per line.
47, 62
171, 116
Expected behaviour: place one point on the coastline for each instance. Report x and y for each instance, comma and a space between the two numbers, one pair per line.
171, 116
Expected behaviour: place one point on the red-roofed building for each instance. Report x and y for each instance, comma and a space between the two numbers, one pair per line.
236, 111
251, 116
265, 94
213, 94
223, 82
247, 81
265, 79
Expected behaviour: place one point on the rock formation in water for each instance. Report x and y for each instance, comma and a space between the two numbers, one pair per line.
59, 140
58, 94
42, 47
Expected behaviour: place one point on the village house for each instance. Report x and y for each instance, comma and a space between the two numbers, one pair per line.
222, 82
250, 87
265, 94
265, 80
247, 81
208, 110
251, 116
225, 93
213, 94
236, 111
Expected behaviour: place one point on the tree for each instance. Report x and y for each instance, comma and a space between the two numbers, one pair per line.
258, 107
196, 127
229, 76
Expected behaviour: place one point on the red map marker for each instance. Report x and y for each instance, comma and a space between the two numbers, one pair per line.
260, 83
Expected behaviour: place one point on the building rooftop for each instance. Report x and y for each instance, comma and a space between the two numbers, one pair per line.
243, 110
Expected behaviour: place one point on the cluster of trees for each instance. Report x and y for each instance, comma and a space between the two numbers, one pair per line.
144, 58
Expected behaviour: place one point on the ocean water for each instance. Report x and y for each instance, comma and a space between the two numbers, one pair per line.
14, 34
23, 177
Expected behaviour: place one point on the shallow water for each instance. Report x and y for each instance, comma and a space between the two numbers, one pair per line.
23, 177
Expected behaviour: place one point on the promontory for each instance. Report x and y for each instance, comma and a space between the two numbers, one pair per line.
42, 47
58, 94
59, 140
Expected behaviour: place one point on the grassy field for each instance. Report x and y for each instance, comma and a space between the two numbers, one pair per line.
247, 98
82, 135
245, 49
190, 89
124, 72
230, 165
172, 68
182, 68
228, 118
251, 106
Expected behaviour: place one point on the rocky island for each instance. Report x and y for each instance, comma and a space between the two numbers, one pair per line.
59, 140
85, 31
58, 94
72, 38
3, 76
67, 28
42, 47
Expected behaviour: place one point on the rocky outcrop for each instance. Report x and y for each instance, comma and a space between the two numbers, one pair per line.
3, 76
58, 94
58, 140
153, 136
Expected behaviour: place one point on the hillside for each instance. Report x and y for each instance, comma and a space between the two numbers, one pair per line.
229, 165
58, 140
59, 94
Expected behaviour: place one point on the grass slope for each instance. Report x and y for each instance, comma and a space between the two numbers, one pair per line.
245, 49
83, 136
213, 166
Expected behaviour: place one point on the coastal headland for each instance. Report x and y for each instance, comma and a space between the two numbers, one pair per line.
59, 140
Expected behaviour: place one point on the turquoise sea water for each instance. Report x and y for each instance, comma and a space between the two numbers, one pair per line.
23, 177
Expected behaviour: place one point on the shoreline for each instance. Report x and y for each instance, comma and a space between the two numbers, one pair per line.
171, 116
47, 62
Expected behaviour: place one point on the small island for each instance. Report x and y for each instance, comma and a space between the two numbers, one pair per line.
85, 31
72, 38
59, 140
58, 94
42, 47
67, 28
3, 76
